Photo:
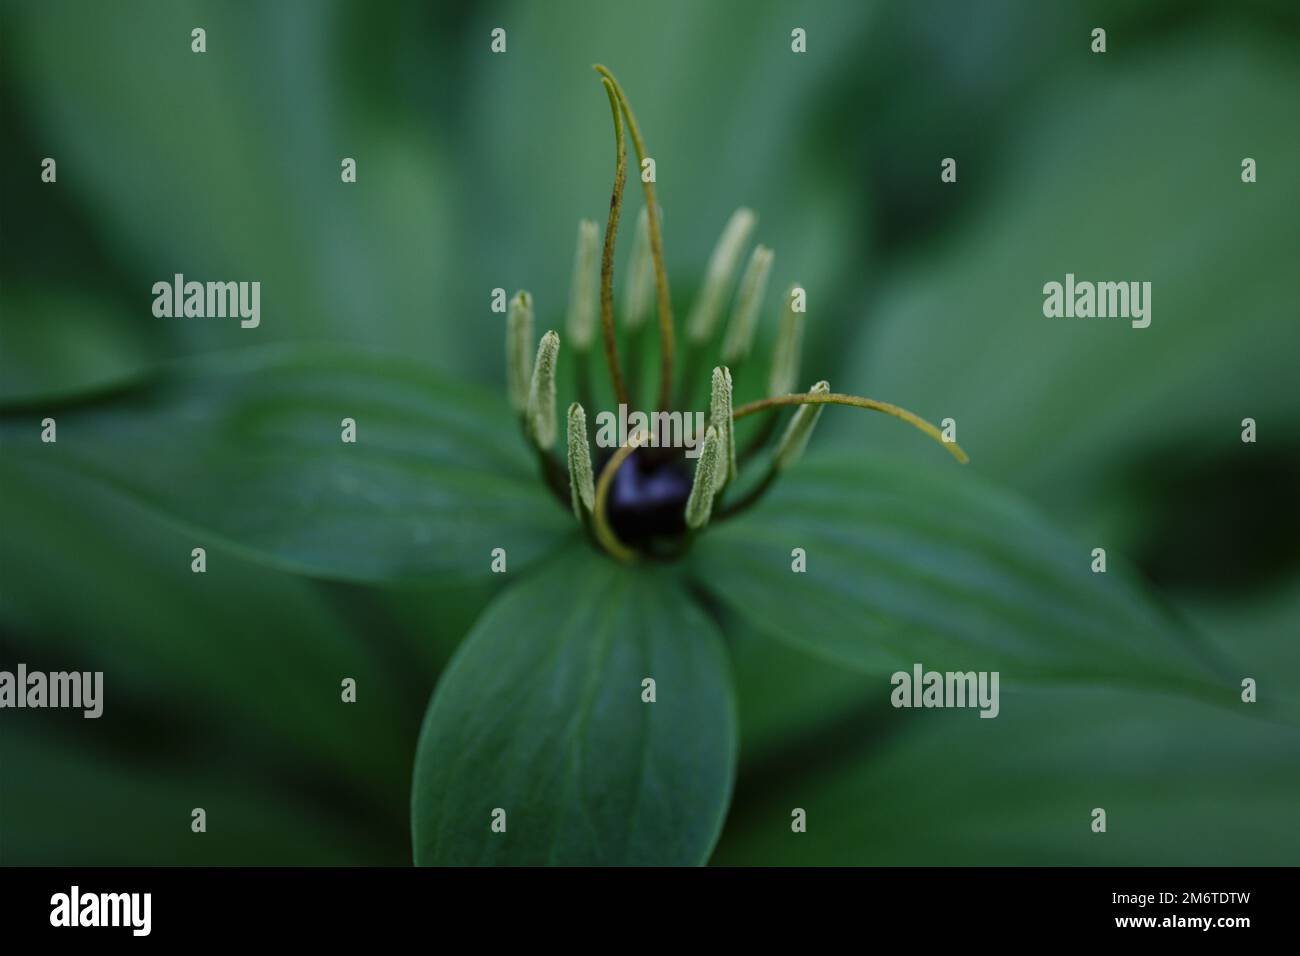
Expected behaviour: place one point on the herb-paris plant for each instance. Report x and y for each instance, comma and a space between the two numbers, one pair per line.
545, 713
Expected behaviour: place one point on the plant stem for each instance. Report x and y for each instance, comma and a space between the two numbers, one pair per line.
604, 533
607, 257
666, 338
836, 398
755, 494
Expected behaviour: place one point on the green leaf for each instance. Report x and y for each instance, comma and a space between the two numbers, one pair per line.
90, 580
248, 445
58, 345
1073, 410
789, 700
243, 178
72, 803
930, 564
735, 124
1182, 783
540, 714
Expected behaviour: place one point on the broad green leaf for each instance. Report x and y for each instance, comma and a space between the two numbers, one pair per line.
56, 346
930, 564
787, 698
1128, 173
1183, 783
242, 177
239, 657
1260, 636
728, 124
540, 714
248, 445
80, 804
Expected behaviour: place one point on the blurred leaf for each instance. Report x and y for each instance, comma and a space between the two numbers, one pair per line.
786, 697
1130, 172
930, 564
69, 805
730, 114
241, 177
91, 582
1261, 636
76, 347
540, 714
1182, 784
248, 445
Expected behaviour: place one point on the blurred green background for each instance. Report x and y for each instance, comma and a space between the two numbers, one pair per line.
472, 171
